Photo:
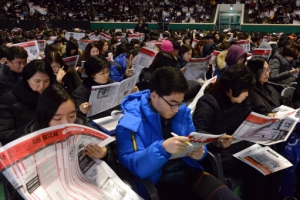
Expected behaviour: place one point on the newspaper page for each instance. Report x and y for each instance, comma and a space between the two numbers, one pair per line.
71, 61
83, 43
138, 36
245, 44
266, 130
195, 41
103, 36
197, 140
51, 39
32, 49
154, 44
104, 97
75, 35
144, 59
196, 68
264, 159
261, 52
109, 123
50, 164
192, 105
41, 45
213, 60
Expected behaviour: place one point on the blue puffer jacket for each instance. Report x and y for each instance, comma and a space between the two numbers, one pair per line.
117, 73
139, 136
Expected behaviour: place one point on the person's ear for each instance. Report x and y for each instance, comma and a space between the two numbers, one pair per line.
153, 96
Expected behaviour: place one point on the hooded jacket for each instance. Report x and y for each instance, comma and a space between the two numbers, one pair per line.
117, 68
139, 136
17, 110
220, 64
280, 70
8, 79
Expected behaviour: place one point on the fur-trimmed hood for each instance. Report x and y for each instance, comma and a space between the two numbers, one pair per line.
220, 60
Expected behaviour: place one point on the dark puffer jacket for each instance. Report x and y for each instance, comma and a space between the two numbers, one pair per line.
8, 79
17, 110
280, 70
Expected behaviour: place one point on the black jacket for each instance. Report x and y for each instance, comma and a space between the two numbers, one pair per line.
264, 99
180, 62
280, 70
71, 80
209, 117
82, 94
17, 110
8, 79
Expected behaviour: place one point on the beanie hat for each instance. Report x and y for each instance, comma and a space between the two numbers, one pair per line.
235, 52
265, 45
167, 46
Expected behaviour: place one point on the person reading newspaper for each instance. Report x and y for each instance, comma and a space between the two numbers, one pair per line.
146, 145
222, 109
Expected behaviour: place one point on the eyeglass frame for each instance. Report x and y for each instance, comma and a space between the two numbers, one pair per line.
172, 107
264, 71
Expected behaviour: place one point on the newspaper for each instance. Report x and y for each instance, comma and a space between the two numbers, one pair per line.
75, 35
154, 44
264, 159
197, 140
262, 52
41, 45
104, 97
196, 68
50, 164
71, 61
195, 41
32, 49
51, 39
245, 44
213, 60
192, 105
83, 43
144, 59
138, 36
266, 130
108, 124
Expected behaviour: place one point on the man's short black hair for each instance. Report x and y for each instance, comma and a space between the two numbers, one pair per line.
168, 80
16, 52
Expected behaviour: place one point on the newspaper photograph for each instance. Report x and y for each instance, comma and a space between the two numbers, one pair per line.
104, 97
266, 130
196, 68
50, 164
71, 61
264, 159
196, 141
32, 49
41, 45
144, 59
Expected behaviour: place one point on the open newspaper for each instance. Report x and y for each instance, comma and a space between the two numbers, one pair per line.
264, 159
108, 124
196, 68
144, 59
262, 52
266, 130
245, 44
32, 49
50, 164
75, 35
104, 97
192, 105
197, 140
71, 61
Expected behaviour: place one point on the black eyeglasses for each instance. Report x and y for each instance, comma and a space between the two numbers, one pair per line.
172, 107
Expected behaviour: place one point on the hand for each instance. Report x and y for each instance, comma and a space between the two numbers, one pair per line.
128, 72
183, 70
294, 71
197, 154
60, 74
85, 107
79, 69
272, 114
95, 152
225, 141
135, 89
129, 63
176, 144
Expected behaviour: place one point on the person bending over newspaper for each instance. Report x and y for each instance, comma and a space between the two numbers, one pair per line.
146, 144
222, 109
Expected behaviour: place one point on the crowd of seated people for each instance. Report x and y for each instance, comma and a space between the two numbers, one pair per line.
241, 87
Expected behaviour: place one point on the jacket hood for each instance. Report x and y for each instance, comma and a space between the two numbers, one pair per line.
235, 52
280, 58
220, 60
121, 59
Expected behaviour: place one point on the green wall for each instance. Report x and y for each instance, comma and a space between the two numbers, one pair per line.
116, 25
270, 28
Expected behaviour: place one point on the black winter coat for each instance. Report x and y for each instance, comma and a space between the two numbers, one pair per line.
264, 99
8, 79
210, 117
17, 110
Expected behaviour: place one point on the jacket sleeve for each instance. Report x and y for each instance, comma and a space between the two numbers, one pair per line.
75, 79
275, 76
142, 161
7, 125
203, 116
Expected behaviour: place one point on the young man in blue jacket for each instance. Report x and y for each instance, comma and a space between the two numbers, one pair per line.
145, 143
